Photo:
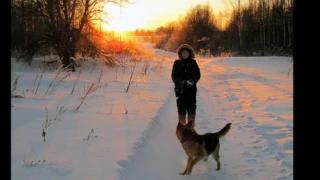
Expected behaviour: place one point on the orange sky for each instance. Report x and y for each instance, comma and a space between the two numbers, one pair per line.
150, 14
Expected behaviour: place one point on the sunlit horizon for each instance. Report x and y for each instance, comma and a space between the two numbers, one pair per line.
150, 14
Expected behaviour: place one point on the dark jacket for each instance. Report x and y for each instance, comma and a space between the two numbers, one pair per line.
185, 69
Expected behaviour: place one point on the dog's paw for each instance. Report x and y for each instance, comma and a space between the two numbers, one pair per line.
218, 169
182, 173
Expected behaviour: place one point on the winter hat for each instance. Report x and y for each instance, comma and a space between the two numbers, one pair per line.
185, 47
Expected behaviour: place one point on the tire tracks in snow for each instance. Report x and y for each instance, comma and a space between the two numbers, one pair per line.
245, 153
230, 98
162, 157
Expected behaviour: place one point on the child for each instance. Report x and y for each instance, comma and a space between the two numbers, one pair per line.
185, 75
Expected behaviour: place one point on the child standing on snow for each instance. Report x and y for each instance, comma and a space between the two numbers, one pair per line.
185, 75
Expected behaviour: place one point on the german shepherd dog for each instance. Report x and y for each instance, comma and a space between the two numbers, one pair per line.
198, 147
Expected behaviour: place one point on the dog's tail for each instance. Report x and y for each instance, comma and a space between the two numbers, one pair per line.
224, 130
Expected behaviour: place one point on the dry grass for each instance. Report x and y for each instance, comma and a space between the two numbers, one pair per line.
89, 135
36, 83
60, 110
131, 75
14, 89
77, 80
87, 90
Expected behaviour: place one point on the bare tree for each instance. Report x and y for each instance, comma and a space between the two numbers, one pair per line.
197, 24
64, 22
268, 23
290, 19
239, 24
263, 23
237, 5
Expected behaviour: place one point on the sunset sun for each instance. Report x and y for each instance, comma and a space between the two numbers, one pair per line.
147, 14
125, 19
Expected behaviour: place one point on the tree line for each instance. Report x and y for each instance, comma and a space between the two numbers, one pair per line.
261, 27
69, 28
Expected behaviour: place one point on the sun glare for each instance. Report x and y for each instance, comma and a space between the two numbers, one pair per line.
147, 14
127, 19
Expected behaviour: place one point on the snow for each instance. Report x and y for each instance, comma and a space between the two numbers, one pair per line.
119, 135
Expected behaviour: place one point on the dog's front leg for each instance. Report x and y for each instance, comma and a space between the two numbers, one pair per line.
188, 164
193, 162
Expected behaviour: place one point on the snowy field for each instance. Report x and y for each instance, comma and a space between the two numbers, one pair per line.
98, 128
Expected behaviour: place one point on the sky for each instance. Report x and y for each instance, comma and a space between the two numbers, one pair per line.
119, 135
150, 14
